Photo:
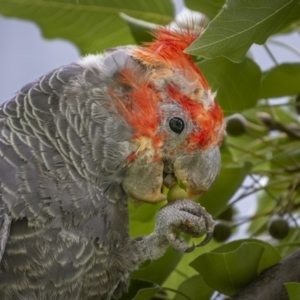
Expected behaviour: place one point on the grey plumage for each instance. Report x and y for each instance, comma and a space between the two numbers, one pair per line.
63, 209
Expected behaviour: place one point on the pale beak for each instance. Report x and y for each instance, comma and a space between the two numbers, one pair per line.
198, 171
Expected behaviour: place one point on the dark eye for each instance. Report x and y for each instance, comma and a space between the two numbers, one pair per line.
176, 124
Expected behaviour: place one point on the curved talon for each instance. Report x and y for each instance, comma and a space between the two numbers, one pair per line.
207, 239
190, 248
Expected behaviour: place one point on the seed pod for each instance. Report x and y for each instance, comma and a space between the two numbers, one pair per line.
236, 125
222, 231
278, 227
175, 193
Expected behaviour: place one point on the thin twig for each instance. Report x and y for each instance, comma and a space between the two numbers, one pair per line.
258, 189
270, 54
292, 49
253, 154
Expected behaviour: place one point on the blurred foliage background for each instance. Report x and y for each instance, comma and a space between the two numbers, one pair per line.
261, 144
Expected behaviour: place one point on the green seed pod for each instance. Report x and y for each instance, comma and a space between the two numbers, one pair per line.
222, 231
278, 227
236, 125
175, 193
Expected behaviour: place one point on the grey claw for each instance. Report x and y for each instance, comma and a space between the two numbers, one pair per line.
207, 239
190, 249
209, 235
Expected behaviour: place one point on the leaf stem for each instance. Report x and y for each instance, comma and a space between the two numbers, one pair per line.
258, 189
288, 244
271, 54
175, 291
182, 274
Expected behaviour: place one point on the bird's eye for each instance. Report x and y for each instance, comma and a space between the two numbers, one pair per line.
176, 124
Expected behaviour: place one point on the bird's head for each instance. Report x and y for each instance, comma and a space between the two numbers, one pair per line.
177, 124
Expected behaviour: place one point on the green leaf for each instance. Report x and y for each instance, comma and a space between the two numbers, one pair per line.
237, 85
140, 290
158, 270
279, 113
208, 7
195, 288
265, 204
142, 219
287, 156
280, 81
266, 152
140, 29
293, 289
225, 153
294, 17
229, 272
226, 269
183, 269
283, 115
145, 212
228, 182
91, 25
290, 243
269, 257
146, 294
240, 24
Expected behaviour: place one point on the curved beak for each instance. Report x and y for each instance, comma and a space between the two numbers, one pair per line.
198, 171
145, 177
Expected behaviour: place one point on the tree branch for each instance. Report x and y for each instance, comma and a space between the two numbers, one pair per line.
269, 285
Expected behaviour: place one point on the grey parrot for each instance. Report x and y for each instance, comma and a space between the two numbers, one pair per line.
80, 141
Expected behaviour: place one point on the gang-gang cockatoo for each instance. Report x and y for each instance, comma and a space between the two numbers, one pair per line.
77, 143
